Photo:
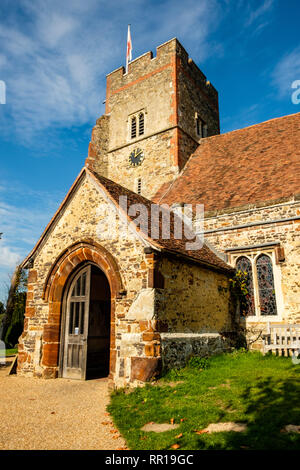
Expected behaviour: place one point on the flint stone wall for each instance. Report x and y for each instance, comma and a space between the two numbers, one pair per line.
263, 225
194, 299
177, 348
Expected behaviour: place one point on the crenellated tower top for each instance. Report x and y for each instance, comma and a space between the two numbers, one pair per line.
160, 109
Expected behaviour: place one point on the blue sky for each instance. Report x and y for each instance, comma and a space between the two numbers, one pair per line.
54, 57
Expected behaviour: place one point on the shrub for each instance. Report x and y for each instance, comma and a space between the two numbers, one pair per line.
13, 320
196, 362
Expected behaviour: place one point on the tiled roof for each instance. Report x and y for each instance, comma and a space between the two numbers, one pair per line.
253, 165
204, 255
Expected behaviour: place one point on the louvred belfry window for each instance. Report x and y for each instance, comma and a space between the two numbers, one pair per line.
141, 124
266, 289
137, 124
201, 127
133, 127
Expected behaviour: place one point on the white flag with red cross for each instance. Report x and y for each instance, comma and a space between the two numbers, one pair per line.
129, 49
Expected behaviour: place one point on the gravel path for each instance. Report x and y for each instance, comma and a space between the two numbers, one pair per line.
55, 414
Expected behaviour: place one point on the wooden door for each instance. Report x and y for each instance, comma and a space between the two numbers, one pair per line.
76, 326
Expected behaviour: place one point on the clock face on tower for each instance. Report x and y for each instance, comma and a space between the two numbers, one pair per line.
136, 157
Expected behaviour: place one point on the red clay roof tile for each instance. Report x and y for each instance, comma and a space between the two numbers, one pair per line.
252, 165
204, 255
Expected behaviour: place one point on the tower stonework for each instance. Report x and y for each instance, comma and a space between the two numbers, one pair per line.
172, 94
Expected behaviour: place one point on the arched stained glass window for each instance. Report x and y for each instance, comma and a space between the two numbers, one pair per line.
266, 287
244, 264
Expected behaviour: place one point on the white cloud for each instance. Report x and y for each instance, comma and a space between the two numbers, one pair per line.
195, 22
256, 14
24, 213
8, 257
20, 224
3, 60
53, 29
286, 72
59, 54
16, 44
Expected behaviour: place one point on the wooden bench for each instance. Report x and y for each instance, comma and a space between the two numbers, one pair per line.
283, 339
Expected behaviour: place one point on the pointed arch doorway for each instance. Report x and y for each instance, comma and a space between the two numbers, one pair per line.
85, 332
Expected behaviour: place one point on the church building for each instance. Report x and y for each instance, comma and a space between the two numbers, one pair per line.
111, 290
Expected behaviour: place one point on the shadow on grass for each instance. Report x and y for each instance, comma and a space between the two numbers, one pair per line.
270, 404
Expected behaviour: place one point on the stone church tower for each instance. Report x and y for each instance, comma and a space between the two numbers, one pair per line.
155, 117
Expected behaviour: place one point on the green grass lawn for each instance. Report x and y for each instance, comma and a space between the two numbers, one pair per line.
261, 391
